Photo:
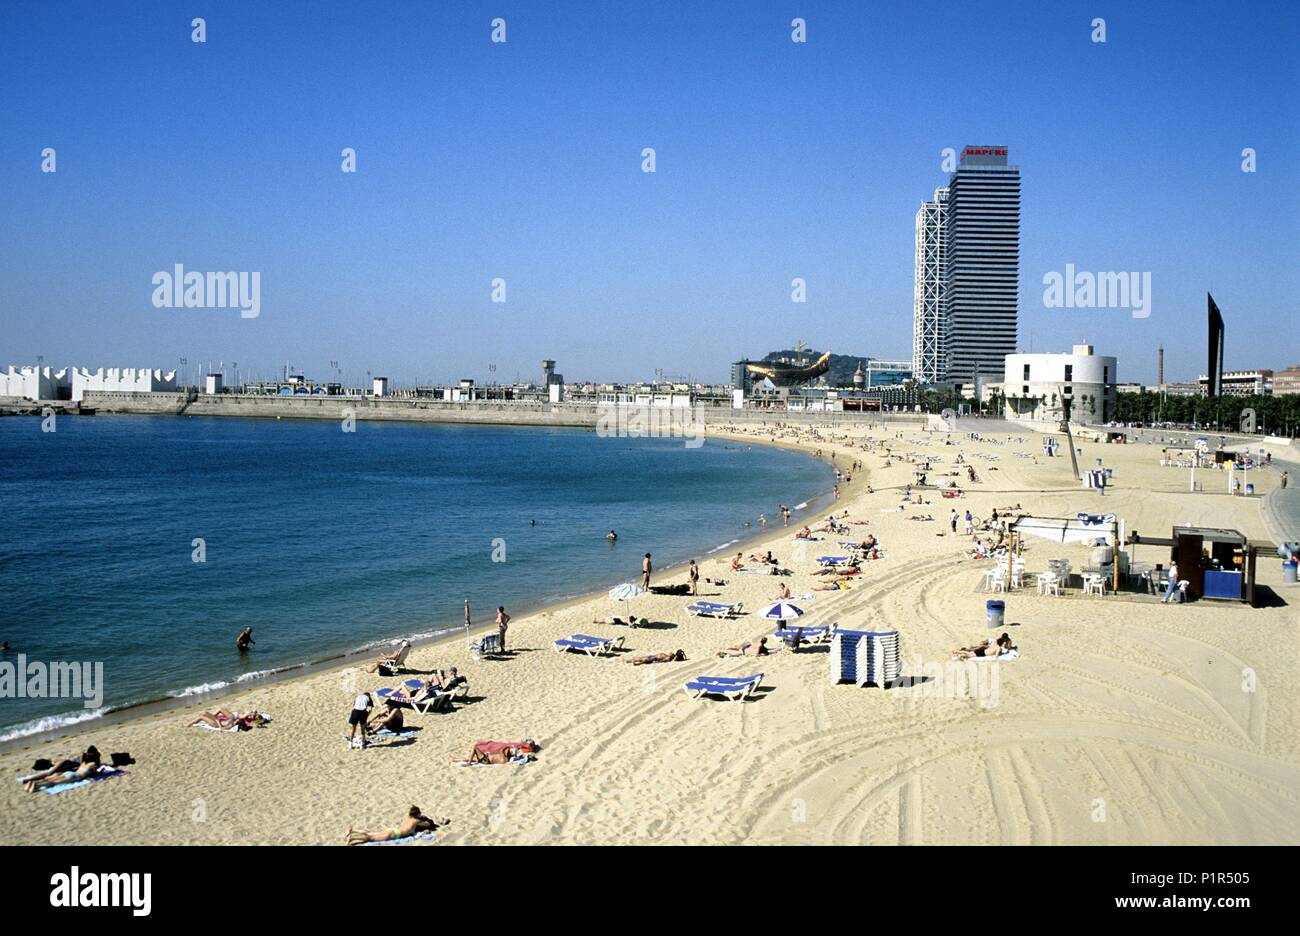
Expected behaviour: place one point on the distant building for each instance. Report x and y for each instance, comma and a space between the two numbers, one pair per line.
36, 383
981, 275
1286, 382
121, 380
1238, 383
379, 386
1037, 386
885, 373
929, 362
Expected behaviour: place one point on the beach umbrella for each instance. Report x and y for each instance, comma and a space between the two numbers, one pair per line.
625, 592
781, 611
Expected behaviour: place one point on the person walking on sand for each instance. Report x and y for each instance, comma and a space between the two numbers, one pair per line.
1171, 588
693, 576
645, 571
361, 707
503, 623
952, 520
245, 639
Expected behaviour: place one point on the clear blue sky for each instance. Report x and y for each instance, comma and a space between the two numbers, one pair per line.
522, 160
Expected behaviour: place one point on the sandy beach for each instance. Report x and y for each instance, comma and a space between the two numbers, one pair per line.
1122, 721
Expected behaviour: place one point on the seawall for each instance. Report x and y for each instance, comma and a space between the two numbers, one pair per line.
583, 415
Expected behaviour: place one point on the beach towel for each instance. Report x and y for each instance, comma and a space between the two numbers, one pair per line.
387, 733
104, 773
417, 837
518, 761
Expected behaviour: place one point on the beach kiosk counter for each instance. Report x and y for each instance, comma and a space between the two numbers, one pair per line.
1216, 563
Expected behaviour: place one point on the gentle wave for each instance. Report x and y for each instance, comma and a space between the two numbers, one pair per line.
51, 723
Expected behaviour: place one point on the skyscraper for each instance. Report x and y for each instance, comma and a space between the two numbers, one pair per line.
981, 275
928, 360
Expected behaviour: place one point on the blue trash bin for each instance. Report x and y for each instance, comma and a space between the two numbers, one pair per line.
1289, 572
996, 611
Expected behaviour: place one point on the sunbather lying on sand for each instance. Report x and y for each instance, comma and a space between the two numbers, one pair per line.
676, 657
500, 752
414, 823
747, 649
224, 721
67, 765
632, 621
985, 649
89, 764
840, 584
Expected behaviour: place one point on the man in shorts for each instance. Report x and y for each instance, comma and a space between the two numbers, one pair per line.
361, 707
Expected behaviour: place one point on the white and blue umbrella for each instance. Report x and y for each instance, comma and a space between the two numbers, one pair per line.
781, 611
626, 592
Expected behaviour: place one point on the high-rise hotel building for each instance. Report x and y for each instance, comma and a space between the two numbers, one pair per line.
974, 226
929, 360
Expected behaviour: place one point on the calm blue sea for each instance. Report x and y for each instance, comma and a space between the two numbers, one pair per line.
325, 541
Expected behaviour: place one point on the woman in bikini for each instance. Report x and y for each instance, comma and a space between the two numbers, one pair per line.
89, 765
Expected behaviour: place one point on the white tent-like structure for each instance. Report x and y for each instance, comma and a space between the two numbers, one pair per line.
1084, 528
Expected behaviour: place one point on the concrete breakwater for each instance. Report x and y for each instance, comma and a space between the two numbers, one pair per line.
583, 415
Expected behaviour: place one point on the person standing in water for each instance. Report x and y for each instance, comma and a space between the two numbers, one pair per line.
245, 639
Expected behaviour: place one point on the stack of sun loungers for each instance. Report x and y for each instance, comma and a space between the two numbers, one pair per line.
733, 688
592, 646
713, 609
863, 657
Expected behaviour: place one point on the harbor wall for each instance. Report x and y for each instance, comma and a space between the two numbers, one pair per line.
386, 408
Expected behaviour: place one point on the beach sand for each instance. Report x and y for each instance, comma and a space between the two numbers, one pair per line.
1123, 721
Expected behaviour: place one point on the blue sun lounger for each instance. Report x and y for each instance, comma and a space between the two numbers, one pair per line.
715, 610
832, 560
809, 634
592, 646
416, 697
734, 688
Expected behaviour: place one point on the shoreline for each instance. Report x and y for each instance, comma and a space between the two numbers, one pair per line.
1018, 755
171, 704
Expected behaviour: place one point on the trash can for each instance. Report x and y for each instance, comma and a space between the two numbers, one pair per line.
996, 611
1250, 489
1288, 573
